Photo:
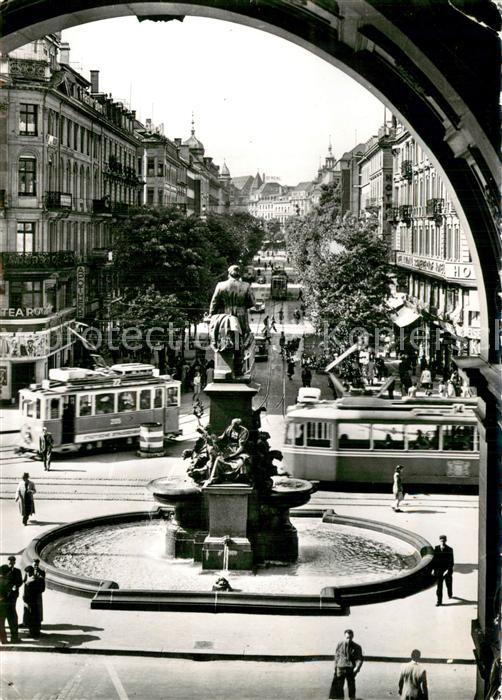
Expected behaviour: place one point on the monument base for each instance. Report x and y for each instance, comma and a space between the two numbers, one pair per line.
230, 400
225, 553
227, 545
179, 542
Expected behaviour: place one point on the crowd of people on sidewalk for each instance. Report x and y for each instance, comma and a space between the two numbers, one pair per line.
32, 585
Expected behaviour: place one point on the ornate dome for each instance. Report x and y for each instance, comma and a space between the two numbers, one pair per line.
193, 142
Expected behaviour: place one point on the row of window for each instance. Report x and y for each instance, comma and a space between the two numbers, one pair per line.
73, 135
431, 241
102, 403
361, 436
64, 235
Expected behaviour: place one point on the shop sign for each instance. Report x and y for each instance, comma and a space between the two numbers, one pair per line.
26, 312
80, 310
451, 271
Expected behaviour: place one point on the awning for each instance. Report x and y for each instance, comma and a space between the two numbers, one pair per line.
405, 316
396, 301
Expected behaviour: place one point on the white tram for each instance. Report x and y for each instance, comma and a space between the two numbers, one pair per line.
363, 439
86, 409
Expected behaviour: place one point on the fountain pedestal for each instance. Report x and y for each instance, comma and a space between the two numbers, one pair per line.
230, 400
227, 545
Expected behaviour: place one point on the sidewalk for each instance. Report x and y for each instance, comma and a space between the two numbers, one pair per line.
388, 631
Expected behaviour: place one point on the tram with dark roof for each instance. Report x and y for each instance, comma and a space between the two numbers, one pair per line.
86, 409
279, 284
359, 439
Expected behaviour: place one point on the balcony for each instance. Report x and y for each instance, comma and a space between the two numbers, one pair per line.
407, 170
58, 201
38, 261
405, 213
392, 215
103, 207
435, 209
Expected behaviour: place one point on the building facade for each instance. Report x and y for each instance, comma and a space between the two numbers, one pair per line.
69, 170
432, 255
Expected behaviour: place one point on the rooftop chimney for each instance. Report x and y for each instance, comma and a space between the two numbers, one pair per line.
95, 81
64, 53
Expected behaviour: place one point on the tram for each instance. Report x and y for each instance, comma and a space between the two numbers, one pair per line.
86, 409
279, 284
359, 439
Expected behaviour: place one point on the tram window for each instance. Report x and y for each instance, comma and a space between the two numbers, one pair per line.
53, 409
353, 436
388, 437
422, 437
157, 401
126, 401
318, 434
458, 437
172, 395
28, 408
37, 408
85, 405
294, 434
105, 403
145, 399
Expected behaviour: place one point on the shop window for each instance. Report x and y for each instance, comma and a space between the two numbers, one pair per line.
28, 120
388, 437
459, 438
85, 405
27, 176
353, 436
127, 401
105, 403
145, 399
422, 437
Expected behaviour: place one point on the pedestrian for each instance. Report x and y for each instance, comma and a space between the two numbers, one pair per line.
4, 601
281, 315
265, 322
273, 327
348, 662
291, 368
398, 488
306, 376
413, 679
39, 573
442, 389
282, 340
32, 598
450, 389
297, 315
442, 568
45, 444
15, 578
197, 382
412, 391
25, 494
300, 295
426, 381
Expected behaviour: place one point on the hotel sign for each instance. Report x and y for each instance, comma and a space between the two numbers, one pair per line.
454, 272
80, 310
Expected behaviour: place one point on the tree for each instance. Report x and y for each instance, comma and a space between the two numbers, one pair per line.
344, 267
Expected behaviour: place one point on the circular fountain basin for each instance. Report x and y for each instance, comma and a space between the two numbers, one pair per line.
354, 561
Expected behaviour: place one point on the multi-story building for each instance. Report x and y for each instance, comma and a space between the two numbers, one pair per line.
165, 171
432, 255
348, 175
69, 170
375, 178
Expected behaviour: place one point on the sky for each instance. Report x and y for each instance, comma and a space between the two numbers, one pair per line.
260, 102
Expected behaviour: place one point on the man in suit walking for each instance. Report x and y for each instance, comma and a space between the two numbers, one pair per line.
15, 579
348, 662
45, 448
413, 679
442, 567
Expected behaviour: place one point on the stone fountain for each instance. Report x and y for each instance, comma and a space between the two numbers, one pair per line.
233, 511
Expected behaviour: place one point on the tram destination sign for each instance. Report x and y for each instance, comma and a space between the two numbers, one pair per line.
106, 435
